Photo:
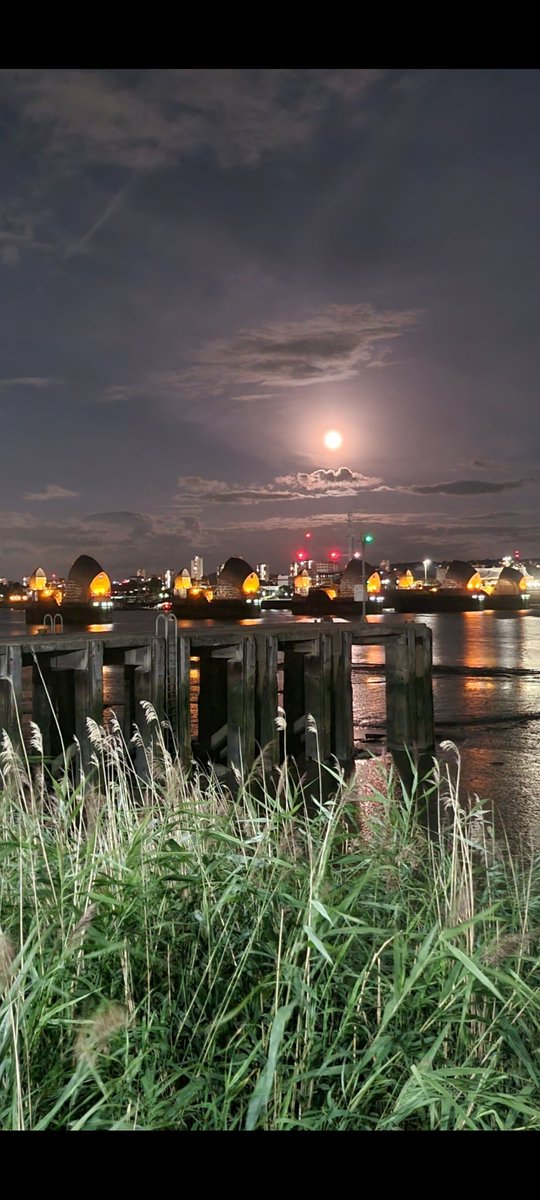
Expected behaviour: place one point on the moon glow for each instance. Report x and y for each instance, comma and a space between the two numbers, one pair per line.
332, 439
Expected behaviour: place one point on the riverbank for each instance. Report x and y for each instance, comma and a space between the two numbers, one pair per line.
174, 957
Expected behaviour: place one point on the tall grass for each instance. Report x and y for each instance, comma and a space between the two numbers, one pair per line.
176, 956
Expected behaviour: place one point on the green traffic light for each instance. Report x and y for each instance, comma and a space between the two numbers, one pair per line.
368, 537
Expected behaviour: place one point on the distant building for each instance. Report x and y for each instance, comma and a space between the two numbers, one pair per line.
351, 579
87, 582
462, 575
236, 579
197, 567
302, 583
182, 584
263, 572
38, 580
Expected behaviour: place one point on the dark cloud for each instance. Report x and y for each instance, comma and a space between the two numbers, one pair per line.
27, 381
459, 487
469, 487
147, 119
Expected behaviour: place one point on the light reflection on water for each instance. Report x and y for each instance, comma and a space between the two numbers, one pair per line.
486, 695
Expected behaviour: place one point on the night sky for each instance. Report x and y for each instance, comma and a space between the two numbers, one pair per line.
204, 270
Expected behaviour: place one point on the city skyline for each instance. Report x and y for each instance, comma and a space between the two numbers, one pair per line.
207, 271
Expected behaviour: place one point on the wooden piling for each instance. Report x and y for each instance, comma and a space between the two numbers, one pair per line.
241, 674
77, 681
147, 683
401, 718
266, 698
181, 718
11, 691
342, 703
317, 699
43, 705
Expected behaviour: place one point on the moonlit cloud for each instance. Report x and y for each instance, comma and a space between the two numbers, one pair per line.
302, 485
326, 347
53, 491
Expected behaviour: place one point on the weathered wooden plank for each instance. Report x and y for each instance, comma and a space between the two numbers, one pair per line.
183, 715
266, 699
11, 691
400, 691
43, 705
73, 660
88, 698
342, 706
241, 677
232, 653
148, 685
317, 699
425, 722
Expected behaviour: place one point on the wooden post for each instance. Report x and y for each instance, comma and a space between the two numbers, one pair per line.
11, 691
241, 706
79, 694
317, 698
182, 722
88, 697
401, 717
342, 708
147, 683
43, 704
267, 697
425, 723
424, 689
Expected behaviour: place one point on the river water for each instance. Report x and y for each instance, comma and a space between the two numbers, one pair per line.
486, 696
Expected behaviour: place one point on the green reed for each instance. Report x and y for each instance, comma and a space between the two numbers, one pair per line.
175, 954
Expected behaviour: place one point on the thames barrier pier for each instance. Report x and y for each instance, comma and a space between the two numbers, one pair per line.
244, 671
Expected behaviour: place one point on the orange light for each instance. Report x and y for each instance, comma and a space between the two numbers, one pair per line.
251, 585
100, 587
302, 581
374, 584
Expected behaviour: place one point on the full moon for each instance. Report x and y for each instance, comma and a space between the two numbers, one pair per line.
332, 439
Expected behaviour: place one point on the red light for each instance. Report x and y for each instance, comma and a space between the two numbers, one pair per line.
300, 555
334, 554
308, 535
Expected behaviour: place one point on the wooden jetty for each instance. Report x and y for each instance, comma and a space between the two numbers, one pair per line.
238, 697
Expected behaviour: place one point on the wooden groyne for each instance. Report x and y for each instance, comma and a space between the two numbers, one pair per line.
241, 668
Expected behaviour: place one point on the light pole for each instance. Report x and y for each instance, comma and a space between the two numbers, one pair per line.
427, 563
366, 537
